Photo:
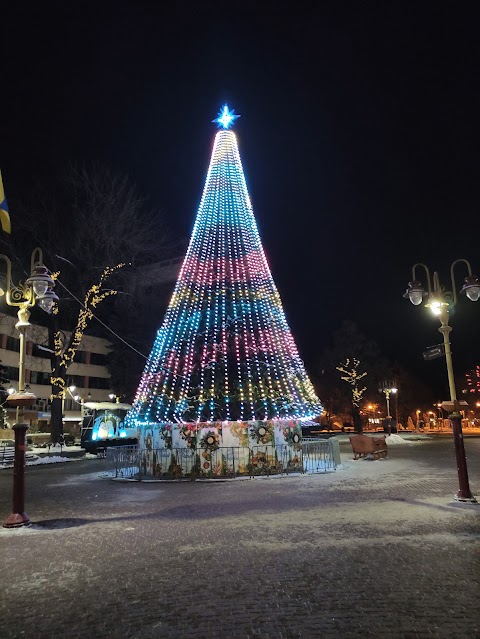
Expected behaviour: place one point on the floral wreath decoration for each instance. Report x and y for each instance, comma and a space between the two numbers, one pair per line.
291, 436
262, 433
189, 433
167, 435
210, 441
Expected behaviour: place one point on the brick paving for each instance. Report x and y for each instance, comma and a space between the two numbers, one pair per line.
375, 549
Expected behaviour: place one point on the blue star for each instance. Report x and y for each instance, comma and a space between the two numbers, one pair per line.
225, 117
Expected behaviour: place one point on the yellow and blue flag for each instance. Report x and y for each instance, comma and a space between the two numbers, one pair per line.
4, 216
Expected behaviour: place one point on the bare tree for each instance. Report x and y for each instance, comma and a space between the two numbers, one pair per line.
91, 229
352, 376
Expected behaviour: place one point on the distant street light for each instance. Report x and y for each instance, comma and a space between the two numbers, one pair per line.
71, 389
440, 414
439, 301
81, 401
36, 289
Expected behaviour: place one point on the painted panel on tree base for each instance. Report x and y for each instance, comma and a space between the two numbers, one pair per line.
220, 449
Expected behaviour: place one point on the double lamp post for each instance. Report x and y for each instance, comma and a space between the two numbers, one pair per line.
440, 300
37, 289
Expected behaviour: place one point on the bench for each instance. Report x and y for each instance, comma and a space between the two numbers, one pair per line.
363, 445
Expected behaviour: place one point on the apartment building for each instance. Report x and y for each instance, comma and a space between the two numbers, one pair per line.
88, 373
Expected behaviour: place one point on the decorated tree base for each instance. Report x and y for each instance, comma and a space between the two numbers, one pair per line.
220, 449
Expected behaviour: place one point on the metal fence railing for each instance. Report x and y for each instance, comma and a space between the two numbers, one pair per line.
123, 461
6, 455
319, 456
131, 462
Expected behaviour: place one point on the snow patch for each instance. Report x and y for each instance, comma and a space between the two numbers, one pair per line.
395, 440
53, 459
53, 448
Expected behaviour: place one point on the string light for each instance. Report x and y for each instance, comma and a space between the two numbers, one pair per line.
224, 351
66, 354
473, 380
352, 376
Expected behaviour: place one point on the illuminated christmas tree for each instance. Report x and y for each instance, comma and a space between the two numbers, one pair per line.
224, 351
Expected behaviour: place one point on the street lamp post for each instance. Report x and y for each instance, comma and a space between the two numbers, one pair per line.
440, 415
396, 410
439, 301
81, 400
37, 288
71, 389
388, 387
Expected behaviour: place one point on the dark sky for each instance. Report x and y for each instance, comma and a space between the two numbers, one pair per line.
359, 137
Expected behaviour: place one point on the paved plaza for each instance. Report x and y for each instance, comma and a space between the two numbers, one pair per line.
378, 548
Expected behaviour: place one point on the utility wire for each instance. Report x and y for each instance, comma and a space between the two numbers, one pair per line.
111, 330
99, 320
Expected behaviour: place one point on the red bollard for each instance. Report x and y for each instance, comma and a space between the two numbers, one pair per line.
464, 493
18, 517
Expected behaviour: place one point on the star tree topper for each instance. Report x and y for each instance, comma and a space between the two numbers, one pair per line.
225, 117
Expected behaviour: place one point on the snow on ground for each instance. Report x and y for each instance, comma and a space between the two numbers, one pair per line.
52, 459
40, 450
55, 451
404, 438
395, 440
52, 456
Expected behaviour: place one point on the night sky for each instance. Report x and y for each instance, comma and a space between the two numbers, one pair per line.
359, 137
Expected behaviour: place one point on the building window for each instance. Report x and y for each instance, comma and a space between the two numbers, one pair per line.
13, 344
98, 359
99, 382
39, 377
11, 372
80, 357
76, 380
71, 404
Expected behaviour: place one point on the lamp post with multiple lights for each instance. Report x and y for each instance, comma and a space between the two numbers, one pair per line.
37, 289
388, 387
439, 300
